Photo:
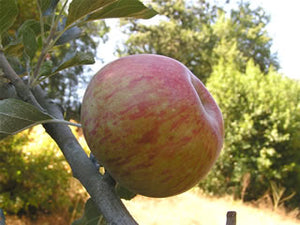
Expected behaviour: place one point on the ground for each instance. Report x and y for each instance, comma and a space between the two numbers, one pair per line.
190, 208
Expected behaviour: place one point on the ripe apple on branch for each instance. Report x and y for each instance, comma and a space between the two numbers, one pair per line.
152, 124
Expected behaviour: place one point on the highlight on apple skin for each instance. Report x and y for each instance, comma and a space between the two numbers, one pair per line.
152, 124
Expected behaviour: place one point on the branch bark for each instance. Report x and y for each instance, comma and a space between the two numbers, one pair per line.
22, 89
7, 90
101, 188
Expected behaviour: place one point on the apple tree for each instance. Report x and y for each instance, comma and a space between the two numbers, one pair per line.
26, 71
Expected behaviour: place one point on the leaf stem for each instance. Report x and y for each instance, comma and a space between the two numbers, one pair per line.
63, 122
50, 41
43, 122
41, 21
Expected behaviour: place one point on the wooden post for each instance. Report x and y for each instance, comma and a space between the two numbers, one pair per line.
231, 218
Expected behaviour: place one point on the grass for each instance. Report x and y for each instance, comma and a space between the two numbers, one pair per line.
193, 208
190, 208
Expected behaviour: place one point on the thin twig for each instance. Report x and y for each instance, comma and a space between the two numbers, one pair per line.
43, 54
49, 43
41, 20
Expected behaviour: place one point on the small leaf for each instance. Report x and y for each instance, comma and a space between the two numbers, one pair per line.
46, 68
124, 8
8, 13
34, 25
7, 38
27, 34
124, 193
14, 49
78, 9
30, 43
69, 35
80, 58
48, 6
16, 115
91, 215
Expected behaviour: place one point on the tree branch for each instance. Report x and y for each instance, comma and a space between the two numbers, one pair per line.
22, 89
101, 188
7, 90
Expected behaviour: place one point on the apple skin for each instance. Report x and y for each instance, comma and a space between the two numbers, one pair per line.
152, 124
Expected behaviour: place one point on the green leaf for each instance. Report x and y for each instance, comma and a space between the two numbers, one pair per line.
102, 9
28, 33
78, 9
124, 193
91, 215
124, 8
46, 68
48, 6
34, 25
16, 115
8, 13
68, 35
14, 48
30, 43
80, 58
77, 59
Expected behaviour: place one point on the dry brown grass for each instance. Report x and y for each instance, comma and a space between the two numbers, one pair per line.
192, 208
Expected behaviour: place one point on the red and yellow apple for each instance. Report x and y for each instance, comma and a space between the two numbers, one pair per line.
152, 124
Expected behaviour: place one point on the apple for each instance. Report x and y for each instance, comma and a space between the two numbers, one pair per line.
152, 124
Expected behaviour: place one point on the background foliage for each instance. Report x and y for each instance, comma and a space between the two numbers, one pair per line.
34, 175
262, 123
199, 33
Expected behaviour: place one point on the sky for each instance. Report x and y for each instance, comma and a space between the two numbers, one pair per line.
283, 29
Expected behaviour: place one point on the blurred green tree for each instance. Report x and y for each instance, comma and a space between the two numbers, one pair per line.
33, 177
197, 33
185, 34
262, 123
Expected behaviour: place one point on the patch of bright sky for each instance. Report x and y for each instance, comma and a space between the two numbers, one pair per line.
283, 29
285, 32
